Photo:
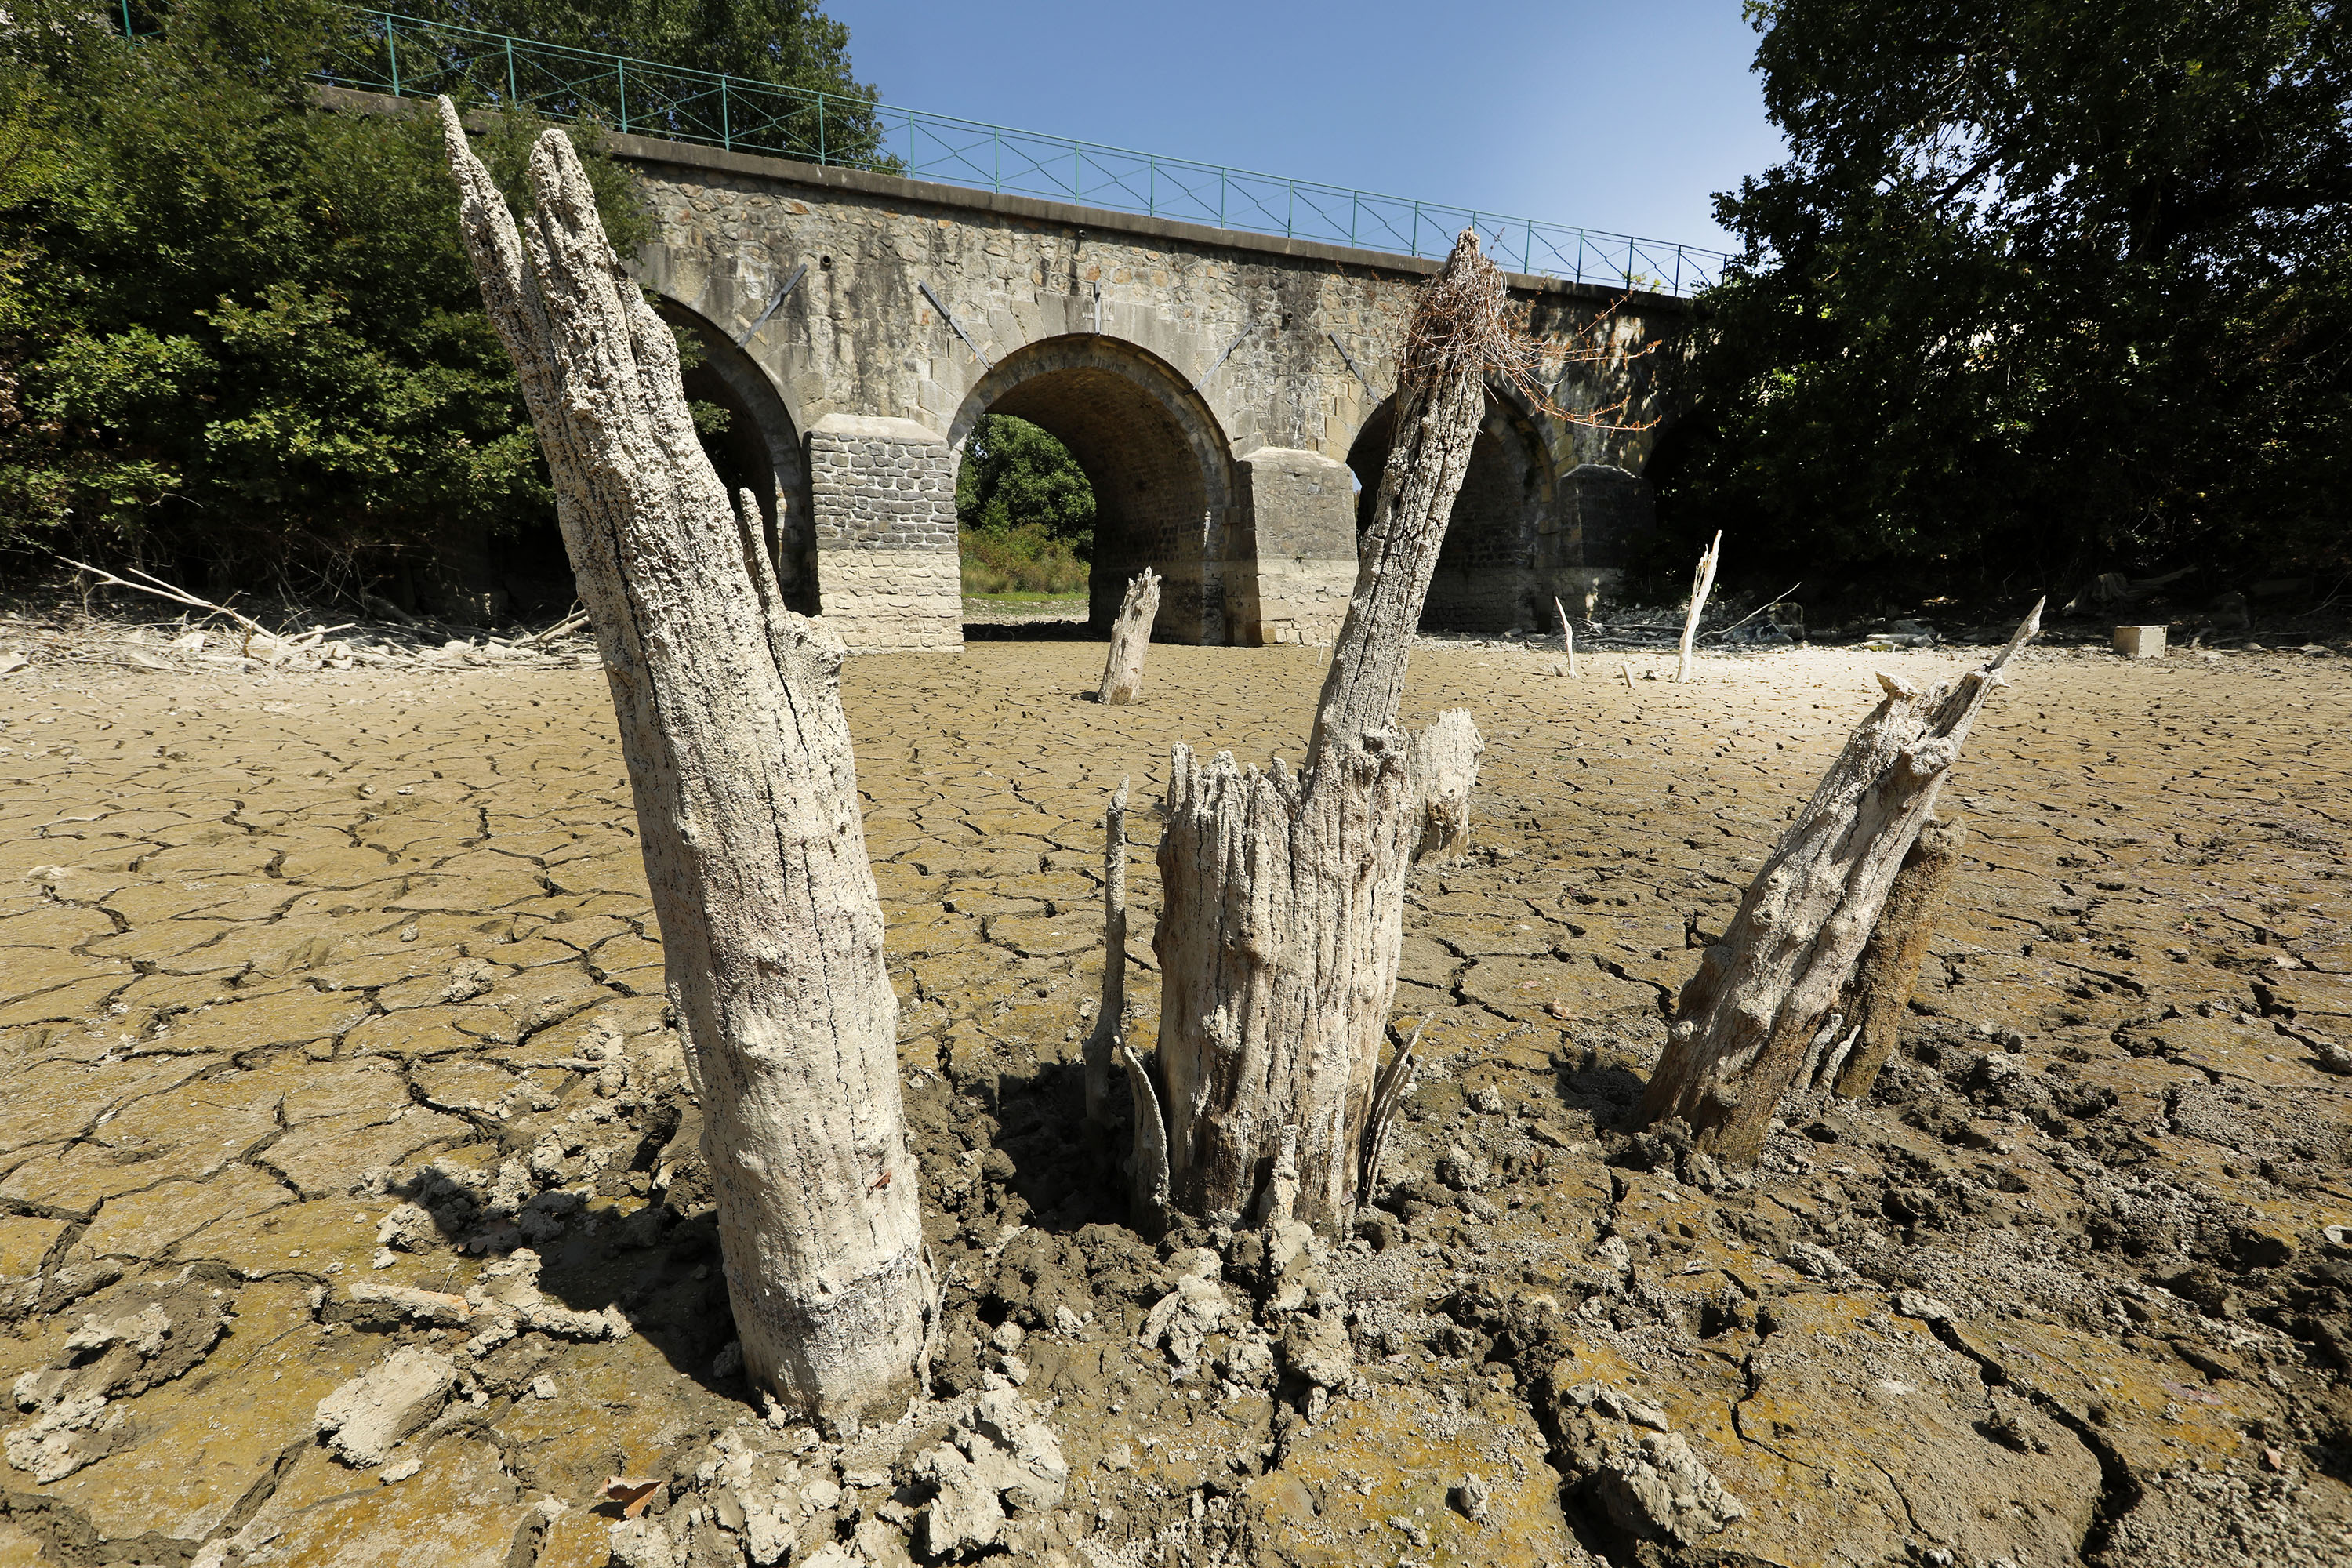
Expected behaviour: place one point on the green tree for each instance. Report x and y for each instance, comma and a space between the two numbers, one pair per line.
1025, 511
1015, 477
2040, 289
235, 332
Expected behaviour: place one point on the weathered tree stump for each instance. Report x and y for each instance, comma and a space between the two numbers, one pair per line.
746, 792
1284, 894
1747, 1019
1444, 772
1883, 977
1130, 639
1702, 584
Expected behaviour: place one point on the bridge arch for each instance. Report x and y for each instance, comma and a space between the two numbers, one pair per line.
1154, 452
1500, 545
759, 451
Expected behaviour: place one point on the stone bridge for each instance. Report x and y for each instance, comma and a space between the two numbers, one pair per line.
1227, 395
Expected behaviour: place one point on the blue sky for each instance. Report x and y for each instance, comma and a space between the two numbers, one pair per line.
1620, 117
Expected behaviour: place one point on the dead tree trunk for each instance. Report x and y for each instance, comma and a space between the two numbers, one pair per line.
1702, 584
1130, 639
1110, 1019
746, 791
1284, 915
1444, 772
1889, 966
1746, 1020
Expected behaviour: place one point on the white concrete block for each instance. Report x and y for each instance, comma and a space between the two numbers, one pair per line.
2140, 642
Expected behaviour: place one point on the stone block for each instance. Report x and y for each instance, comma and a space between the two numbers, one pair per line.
2140, 642
1301, 512
892, 601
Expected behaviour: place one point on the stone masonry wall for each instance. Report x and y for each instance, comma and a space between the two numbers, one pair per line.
1262, 332
883, 495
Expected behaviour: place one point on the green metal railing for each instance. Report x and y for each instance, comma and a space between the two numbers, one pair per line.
403, 54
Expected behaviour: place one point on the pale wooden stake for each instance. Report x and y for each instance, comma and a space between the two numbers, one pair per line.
1446, 770
1284, 893
1746, 1020
1111, 1020
738, 757
1130, 639
1566, 637
1701, 584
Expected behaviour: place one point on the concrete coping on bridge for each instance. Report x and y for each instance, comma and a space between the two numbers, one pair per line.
1036, 209
874, 428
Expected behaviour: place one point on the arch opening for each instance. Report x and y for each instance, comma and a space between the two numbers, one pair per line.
1153, 456
758, 449
1490, 569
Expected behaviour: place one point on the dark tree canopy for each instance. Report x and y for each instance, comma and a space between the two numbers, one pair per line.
2041, 289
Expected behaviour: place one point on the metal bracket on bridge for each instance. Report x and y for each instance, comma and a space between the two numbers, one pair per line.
1200, 386
948, 317
773, 305
1367, 380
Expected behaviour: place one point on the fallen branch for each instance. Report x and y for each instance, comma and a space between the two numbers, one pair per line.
163, 590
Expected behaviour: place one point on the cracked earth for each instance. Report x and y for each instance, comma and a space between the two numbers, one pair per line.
352, 1212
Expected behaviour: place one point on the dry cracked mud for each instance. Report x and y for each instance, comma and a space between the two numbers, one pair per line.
351, 1210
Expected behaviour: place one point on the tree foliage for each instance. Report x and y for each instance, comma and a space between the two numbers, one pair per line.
2039, 289
1016, 476
237, 332
782, 43
1025, 510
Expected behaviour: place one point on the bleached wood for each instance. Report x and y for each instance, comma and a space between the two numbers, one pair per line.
1110, 1017
1702, 584
1130, 639
1880, 989
1148, 1169
1444, 772
1747, 1019
746, 794
1284, 894
1566, 636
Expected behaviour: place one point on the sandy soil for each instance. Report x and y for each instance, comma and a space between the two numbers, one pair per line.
333, 1021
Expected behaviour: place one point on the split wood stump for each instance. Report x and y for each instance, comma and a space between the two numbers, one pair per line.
1872, 1007
1130, 639
739, 758
1747, 1020
1284, 892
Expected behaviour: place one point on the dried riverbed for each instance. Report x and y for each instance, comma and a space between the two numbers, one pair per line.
338, 1096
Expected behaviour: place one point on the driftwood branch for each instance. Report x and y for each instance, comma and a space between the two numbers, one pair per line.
1148, 1168
739, 756
1130, 639
152, 584
1747, 1020
1388, 1092
1566, 636
1702, 584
